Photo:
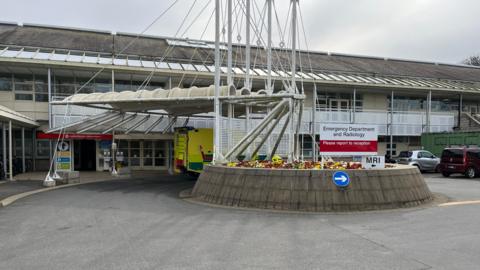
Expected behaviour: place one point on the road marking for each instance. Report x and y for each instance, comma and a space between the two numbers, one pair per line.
459, 203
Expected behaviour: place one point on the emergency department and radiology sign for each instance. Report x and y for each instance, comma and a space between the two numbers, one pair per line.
348, 140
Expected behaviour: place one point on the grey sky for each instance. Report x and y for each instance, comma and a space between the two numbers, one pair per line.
432, 30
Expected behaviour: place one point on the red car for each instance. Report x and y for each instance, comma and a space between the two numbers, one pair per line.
465, 161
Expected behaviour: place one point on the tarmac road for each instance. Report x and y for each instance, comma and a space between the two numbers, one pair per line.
142, 224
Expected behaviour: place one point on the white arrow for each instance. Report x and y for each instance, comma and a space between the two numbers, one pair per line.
341, 178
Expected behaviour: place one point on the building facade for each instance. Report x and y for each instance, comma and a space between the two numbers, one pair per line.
40, 64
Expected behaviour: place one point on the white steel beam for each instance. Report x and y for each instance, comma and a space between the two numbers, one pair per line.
136, 125
217, 151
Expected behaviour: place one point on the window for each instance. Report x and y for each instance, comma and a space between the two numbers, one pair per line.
43, 148
147, 153
103, 85
41, 88
82, 87
160, 153
392, 148
473, 154
6, 82
23, 82
405, 154
406, 103
425, 154
134, 153
452, 153
339, 101
23, 96
123, 85
64, 86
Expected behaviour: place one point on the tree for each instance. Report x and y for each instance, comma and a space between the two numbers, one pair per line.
473, 60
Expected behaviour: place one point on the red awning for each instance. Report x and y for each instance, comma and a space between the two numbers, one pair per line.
74, 136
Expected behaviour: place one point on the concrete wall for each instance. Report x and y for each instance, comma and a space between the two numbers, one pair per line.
35, 110
311, 190
375, 101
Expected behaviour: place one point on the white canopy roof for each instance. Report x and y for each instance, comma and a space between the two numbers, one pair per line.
17, 118
176, 101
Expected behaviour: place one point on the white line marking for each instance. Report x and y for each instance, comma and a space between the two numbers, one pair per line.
459, 203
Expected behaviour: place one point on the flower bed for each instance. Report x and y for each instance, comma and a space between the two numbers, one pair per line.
308, 165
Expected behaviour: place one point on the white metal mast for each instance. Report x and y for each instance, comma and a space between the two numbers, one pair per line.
229, 72
247, 45
294, 44
247, 68
269, 87
217, 149
293, 88
269, 45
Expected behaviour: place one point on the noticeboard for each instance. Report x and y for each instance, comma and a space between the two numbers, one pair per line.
63, 160
348, 140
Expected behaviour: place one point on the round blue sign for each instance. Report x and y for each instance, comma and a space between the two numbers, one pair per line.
341, 179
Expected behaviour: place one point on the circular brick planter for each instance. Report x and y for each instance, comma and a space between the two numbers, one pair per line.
311, 190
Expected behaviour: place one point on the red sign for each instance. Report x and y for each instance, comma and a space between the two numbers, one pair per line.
348, 140
348, 146
74, 136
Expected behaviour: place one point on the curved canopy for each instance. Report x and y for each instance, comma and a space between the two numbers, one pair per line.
176, 101
17, 118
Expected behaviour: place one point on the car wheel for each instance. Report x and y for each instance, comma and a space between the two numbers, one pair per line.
437, 168
446, 174
470, 172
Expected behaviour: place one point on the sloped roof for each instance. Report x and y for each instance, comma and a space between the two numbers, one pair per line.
149, 46
7, 114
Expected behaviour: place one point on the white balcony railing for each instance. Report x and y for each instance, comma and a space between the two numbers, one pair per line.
403, 123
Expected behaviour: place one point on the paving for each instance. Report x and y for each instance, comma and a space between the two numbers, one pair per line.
8, 188
140, 223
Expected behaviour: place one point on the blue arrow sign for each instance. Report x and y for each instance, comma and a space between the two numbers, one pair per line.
341, 179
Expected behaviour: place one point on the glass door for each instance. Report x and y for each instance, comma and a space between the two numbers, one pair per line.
339, 105
147, 157
160, 157
135, 154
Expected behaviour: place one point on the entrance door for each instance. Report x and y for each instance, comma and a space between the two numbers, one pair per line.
339, 110
339, 105
84, 155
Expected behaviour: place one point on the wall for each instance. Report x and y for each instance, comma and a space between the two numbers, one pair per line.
375, 101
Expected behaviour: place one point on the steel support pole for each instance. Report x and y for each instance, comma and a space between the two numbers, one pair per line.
269, 87
391, 123
10, 150
247, 45
229, 73
314, 123
49, 89
460, 110
269, 46
429, 111
294, 45
23, 150
292, 135
280, 135
354, 106
270, 128
291, 139
34, 149
113, 80
4, 145
229, 40
247, 124
216, 145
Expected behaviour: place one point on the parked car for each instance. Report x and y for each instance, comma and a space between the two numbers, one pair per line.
460, 160
424, 160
